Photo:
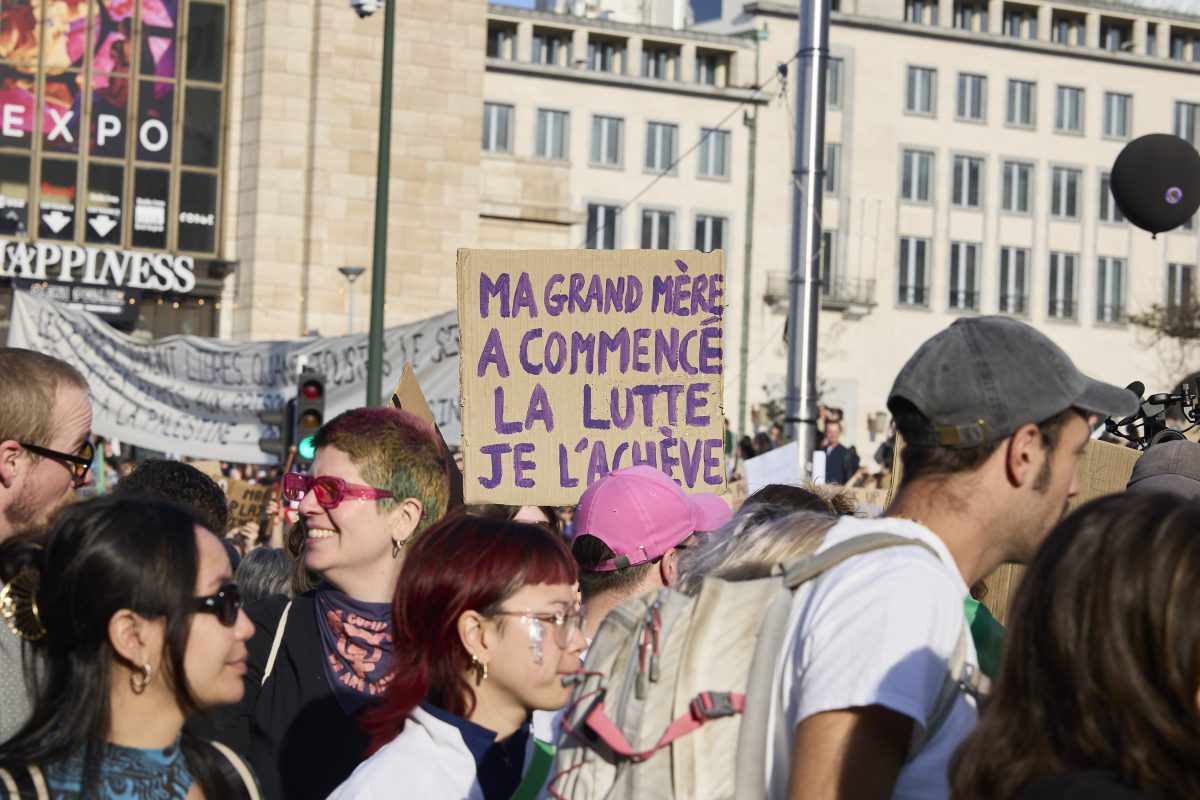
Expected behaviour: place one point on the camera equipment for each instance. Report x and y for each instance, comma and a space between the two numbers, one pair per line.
1147, 426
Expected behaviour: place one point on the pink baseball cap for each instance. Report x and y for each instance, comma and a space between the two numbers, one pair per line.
641, 514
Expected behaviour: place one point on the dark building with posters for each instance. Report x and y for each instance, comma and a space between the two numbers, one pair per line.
112, 118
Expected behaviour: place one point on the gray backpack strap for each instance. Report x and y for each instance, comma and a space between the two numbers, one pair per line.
275, 643
805, 569
750, 778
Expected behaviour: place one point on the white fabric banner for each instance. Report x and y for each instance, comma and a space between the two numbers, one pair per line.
201, 397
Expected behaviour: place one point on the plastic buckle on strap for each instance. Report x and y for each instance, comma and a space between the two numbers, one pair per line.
713, 705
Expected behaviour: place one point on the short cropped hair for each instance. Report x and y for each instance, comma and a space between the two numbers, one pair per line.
28, 393
589, 550
397, 451
163, 479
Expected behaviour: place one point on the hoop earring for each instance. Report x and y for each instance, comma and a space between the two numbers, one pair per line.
481, 669
139, 680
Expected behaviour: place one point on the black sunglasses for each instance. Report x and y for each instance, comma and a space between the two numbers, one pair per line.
79, 463
225, 604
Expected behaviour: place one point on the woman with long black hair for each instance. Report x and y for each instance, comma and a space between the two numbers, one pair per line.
134, 607
1100, 685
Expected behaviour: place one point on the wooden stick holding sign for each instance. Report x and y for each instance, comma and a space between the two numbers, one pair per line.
408, 396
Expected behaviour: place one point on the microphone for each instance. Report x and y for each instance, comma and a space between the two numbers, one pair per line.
1138, 388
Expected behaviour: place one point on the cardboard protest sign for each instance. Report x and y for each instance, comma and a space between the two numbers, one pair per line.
210, 468
1104, 469
247, 502
578, 362
872, 502
407, 396
781, 465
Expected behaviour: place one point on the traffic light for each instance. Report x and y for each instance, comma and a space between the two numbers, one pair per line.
310, 414
284, 419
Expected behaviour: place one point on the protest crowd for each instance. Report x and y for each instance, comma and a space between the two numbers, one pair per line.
370, 635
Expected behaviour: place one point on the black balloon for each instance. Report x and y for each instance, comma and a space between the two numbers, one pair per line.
1156, 182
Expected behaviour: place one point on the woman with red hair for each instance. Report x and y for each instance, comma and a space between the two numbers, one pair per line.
487, 626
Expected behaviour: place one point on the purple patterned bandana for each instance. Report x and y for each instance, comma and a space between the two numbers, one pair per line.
357, 641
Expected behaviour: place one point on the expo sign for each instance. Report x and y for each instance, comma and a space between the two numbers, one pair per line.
153, 134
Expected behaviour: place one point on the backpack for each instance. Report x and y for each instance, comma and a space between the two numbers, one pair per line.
675, 696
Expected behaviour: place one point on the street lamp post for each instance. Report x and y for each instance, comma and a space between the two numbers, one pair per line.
351, 275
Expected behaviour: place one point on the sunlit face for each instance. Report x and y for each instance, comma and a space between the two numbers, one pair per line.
354, 536
527, 663
46, 484
215, 658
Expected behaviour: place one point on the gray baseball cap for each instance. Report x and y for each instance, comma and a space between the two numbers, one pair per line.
984, 377
1168, 467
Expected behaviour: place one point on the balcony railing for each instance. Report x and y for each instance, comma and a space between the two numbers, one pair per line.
1111, 314
1014, 304
1061, 309
913, 296
837, 294
964, 301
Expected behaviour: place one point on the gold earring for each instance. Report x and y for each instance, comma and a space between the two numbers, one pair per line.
480, 667
397, 546
139, 680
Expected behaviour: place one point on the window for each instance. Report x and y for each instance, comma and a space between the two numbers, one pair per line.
972, 96
1020, 103
551, 134
710, 233
912, 283
1064, 193
602, 226
1017, 177
656, 62
1068, 110
497, 128
1151, 40
831, 281
656, 229
1116, 114
552, 49
921, 85
1108, 207
1020, 23
1187, 122
964, 296
833, 82
1179, 288
1110, 290
500, 42
603, 55
971, 17
660, 146
833, 157
1061, 303
1013, 280
1066, 30
921, 12
714, 153
706, 68
1115, 37
914, 185
607, 141
968, 173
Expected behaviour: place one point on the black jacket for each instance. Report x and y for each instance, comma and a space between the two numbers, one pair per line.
1088, 785
291, 729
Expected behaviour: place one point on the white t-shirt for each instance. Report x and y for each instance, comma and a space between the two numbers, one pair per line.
878, 629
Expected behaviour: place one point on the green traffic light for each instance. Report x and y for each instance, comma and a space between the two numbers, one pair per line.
307, 448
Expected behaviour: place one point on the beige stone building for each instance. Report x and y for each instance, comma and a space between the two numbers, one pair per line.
969, 142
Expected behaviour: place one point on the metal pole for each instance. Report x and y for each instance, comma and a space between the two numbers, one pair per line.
807, 187
351, 290
382, 170
744, 349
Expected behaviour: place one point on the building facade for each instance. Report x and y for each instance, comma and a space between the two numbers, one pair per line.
202, 166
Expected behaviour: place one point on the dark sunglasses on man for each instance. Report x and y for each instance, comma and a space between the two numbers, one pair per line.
79, 463
225, 604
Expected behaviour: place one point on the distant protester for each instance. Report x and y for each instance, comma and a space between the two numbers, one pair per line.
264, 572
534, 515
1168, 467
176, 482
134, 604
481, 642
1098, 696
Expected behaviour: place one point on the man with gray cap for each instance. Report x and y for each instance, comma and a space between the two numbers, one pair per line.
994, 416
1168, 467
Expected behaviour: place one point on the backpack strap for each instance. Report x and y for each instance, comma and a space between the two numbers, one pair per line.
236, 771
704, 707
537, 773
278, 640
805, 569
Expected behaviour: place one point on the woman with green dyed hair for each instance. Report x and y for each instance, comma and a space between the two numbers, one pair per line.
379, 478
